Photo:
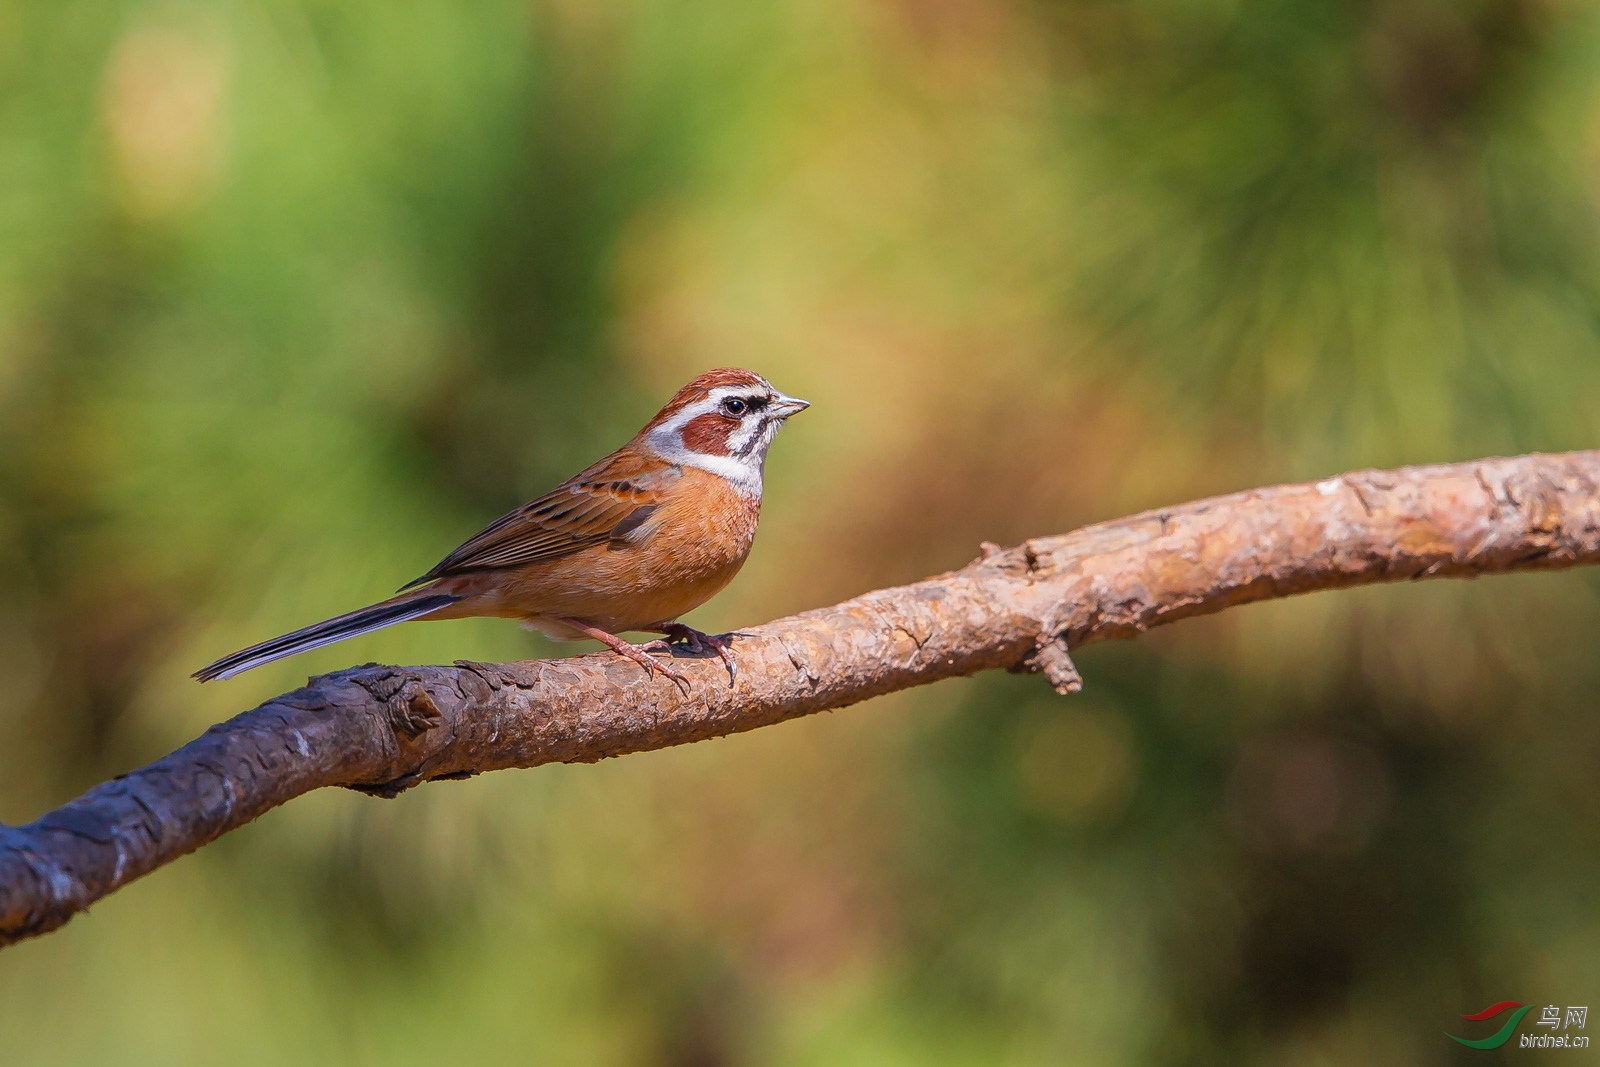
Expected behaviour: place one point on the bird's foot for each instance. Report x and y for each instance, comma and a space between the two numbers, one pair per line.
638, 653
696, 641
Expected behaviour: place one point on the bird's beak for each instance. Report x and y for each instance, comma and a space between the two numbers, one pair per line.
783, 406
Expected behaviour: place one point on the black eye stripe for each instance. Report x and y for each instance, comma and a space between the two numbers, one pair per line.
739, 405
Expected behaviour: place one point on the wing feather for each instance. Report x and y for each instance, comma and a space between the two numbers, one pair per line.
610, 500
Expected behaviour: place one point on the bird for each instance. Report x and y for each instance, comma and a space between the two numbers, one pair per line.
648, 533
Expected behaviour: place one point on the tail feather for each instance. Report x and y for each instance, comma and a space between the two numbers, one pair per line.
338, 628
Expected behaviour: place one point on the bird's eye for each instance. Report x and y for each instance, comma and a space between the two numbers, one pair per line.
733, 406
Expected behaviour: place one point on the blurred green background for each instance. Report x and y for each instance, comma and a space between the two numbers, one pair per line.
295, 294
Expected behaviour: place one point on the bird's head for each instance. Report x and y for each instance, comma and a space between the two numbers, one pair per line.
722, 422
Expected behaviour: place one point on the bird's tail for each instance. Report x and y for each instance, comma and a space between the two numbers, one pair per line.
376, 617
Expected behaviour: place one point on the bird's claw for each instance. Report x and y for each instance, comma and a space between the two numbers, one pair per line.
696, 642
640, 654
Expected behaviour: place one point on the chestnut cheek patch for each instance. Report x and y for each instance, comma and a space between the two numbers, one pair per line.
707, 434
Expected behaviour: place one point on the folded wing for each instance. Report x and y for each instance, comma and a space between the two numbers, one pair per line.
610, 501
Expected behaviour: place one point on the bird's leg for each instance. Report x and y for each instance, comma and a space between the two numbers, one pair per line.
696, 641
633, 652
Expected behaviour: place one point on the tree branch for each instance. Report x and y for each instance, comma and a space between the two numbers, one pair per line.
384, 729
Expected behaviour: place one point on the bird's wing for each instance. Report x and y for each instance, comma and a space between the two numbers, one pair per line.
609, 501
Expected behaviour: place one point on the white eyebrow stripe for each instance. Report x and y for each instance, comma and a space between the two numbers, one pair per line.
707, 405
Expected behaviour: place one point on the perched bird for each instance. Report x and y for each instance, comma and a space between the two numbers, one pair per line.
655, 529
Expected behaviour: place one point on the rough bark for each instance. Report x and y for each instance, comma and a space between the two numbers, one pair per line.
384, 729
